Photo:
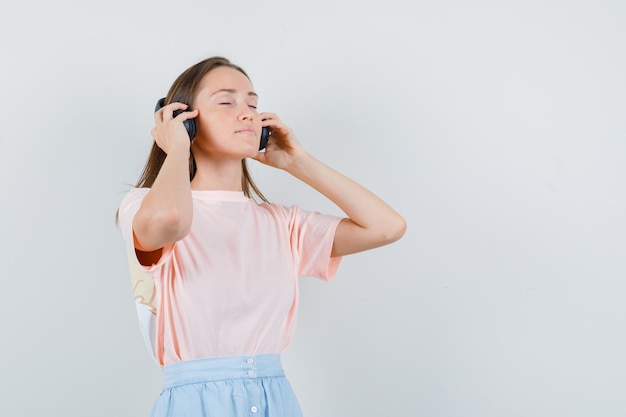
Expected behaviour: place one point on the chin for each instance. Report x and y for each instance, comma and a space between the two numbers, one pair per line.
252, 154
252, 149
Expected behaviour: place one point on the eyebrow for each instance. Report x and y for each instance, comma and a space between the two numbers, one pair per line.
233, 91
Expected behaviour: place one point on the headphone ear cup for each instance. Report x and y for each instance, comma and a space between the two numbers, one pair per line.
265, 136
159, 104
190, 124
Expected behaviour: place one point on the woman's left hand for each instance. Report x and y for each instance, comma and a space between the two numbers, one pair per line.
283, 148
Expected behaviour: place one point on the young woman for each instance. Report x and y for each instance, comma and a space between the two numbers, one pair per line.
215, 273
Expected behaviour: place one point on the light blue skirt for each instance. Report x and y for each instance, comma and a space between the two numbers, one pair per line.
231, 386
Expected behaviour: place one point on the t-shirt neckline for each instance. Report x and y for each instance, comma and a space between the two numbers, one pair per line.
219, 195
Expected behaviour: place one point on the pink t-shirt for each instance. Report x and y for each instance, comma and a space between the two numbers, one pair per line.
230, 287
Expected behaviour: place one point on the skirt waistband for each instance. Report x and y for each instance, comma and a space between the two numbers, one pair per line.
221, 368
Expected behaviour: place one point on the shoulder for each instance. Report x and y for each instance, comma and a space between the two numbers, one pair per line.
134, 195
278, 209
297, 216
131, 202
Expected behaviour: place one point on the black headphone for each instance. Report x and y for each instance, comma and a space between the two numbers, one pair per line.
190, 125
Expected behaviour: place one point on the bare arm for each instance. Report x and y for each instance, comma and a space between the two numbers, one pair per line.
370, 221
166, 211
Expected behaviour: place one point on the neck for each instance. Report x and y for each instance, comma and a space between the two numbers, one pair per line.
217, 174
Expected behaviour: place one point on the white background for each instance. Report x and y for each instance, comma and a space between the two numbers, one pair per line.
496, 128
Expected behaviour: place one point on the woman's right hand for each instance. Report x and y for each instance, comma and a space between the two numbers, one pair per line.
169, 132
166, 212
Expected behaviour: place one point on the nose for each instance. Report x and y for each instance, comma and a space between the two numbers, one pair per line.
246, 112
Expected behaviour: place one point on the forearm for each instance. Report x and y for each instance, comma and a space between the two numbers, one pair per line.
372, 222
166, 212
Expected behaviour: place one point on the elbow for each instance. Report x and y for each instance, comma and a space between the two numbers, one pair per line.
154, 229
351, 237
174, 224
390, 231
395, 229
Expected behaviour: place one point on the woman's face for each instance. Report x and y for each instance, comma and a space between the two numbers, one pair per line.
228, 123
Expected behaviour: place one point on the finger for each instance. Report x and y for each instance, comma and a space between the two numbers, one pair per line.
272, 121
167, 112
187, 115
269, 116
277, 127
158, 116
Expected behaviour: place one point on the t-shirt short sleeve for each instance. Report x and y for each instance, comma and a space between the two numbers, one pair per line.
311, 237
128, 208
